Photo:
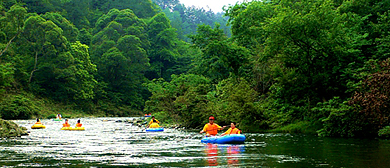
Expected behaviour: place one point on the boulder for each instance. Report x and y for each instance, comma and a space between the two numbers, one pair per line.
10, 129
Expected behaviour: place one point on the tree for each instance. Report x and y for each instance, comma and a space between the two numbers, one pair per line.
164, 52
141, 8
69, 30
182, 99
220, 56
119, 50
59, 69
312, 41
247, 20
13, 24
167, 4
372, 99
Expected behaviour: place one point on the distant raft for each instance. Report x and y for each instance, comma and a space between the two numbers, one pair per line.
160, 129
38, 126
227, 139
57, 119
73, 129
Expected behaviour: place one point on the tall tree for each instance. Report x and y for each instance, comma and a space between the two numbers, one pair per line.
58, 68
220, 56
12, 25
314, 42
119, 50
164, 52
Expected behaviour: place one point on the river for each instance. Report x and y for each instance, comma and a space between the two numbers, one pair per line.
109, 143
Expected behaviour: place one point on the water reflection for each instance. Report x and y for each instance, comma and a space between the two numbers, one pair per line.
212, 154
232, 153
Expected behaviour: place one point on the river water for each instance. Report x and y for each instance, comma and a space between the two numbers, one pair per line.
106, 142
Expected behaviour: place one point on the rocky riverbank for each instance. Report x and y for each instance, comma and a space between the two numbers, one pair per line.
11, 129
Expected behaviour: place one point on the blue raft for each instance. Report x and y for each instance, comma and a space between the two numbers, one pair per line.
227, 139
160, 129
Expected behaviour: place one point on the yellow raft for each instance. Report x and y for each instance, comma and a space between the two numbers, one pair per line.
73, 129
38, 126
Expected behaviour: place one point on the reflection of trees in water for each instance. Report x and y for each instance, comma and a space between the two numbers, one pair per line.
232, 152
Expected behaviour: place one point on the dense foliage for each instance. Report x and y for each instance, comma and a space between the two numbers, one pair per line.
317, 66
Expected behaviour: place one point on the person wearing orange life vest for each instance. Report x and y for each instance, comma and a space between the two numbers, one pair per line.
66, 124
211, 128
78, 123
232, 130
38, 121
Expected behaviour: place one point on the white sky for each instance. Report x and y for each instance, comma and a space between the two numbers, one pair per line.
214, 5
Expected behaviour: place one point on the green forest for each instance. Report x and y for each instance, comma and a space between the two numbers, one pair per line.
315, 66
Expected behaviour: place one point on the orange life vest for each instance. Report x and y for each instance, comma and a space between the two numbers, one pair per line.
212, 129
79, 125
235, 131
66, 125
38, 122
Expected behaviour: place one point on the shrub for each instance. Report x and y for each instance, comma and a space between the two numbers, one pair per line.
384, 132
342, 120
17, 107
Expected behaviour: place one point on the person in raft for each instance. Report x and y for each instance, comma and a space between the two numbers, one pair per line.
232, 129
78, 124
66, 124
153, 123
38, 121
59, 116
211, 128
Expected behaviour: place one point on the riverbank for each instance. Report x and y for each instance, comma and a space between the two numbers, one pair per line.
25, 105
10, 129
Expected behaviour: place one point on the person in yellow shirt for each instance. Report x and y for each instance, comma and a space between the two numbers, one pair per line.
232, 130
211, 128
153, 123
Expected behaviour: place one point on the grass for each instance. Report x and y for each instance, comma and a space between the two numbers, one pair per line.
297, 127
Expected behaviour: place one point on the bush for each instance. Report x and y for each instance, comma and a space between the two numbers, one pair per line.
17, 107
342, 120
52, 116
384, 132
297, 127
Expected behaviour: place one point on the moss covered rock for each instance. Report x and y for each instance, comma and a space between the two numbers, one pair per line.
11, 129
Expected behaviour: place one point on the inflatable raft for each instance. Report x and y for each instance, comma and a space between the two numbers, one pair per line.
57, 119
38, 126
227, 139
73, 129
160, 129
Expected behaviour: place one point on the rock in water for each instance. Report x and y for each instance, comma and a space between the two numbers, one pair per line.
11, 129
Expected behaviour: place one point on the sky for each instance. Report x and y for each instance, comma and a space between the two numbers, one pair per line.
214, 5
